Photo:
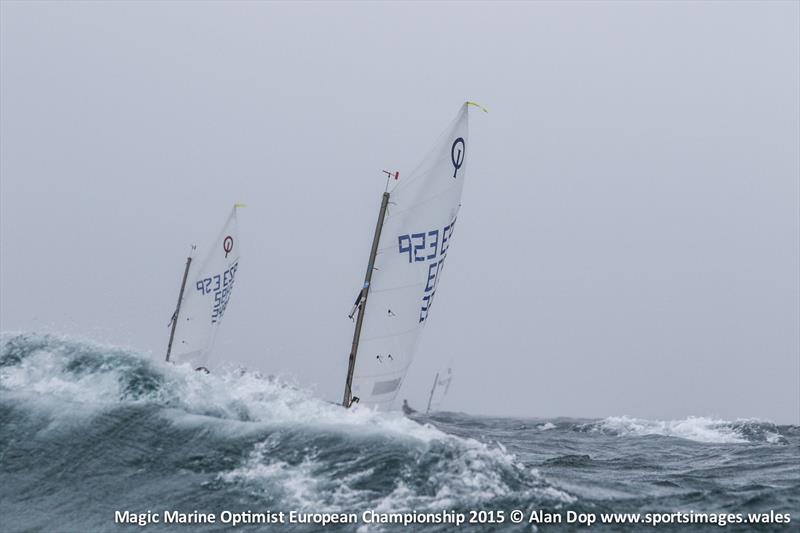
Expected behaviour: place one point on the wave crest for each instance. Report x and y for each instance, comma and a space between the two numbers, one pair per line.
263, 436
695, 428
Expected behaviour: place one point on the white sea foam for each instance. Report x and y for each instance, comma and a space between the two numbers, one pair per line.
442, 470
695, 428
40, 381
457, 472
57, 370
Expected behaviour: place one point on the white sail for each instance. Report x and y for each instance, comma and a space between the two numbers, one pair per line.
206, 296
416, 236
440, 388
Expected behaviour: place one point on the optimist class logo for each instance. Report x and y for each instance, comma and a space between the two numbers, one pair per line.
457, 157
227, 245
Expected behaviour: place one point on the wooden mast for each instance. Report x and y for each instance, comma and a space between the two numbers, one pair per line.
348, 393
178, 308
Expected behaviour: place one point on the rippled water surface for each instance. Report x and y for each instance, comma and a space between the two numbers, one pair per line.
86, 430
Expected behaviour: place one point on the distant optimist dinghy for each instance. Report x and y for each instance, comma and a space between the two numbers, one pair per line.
412, 237
441, 385
205, 291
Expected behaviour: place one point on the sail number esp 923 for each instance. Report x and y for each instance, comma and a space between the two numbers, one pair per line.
221, 285
430, 247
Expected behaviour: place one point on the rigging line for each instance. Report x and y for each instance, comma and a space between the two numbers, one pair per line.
399, 334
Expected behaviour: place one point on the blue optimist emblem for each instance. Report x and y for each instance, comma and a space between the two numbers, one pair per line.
457, 154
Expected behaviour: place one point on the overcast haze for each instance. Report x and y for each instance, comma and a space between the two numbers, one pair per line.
628, 240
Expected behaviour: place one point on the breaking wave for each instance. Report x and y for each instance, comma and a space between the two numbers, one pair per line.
190, 437
695, 428
88, 429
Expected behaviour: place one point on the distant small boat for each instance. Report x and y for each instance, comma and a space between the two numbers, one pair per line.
441, 385
412, 236
204, 295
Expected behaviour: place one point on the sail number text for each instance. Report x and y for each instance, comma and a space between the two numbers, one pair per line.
427, 246
221, 286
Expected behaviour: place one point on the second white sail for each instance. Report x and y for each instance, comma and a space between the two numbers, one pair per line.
204, 298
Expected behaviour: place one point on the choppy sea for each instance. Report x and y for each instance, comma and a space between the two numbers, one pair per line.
88, 429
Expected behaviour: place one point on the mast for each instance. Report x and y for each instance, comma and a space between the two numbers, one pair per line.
178, 308
348, 393
430, 399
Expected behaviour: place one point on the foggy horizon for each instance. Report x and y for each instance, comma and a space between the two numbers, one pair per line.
629, 236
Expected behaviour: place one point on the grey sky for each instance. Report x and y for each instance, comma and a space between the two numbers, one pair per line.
628, 241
